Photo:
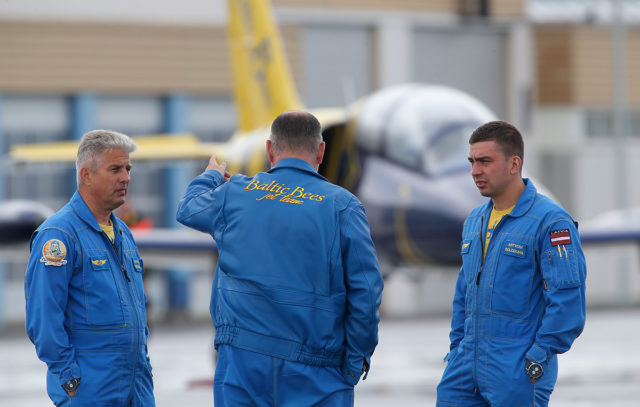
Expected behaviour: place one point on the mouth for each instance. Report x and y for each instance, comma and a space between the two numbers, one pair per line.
481, 184
121, 192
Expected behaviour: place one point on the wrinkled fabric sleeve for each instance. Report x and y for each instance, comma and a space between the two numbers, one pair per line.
564, 273
201, 206
364, 284
46, 292
458, 314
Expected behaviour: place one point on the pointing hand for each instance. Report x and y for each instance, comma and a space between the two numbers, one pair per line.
221, 168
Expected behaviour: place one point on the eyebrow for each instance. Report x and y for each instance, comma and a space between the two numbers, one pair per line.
128, 165
480, 158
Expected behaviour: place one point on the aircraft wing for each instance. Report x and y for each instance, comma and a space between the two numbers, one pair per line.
329, 117
612, 227
177, 248
159, 147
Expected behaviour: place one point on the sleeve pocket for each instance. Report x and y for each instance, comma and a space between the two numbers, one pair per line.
560, 268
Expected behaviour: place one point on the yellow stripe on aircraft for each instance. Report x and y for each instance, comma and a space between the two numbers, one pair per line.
182, 146
409, 251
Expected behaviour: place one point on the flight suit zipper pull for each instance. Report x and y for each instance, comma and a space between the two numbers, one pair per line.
122, 264
126, 275
482, 242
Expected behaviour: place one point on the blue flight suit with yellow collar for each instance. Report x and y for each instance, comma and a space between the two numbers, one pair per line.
297, 277
85, 310
525, 301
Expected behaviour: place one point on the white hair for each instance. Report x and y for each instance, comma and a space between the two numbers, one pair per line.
95, 143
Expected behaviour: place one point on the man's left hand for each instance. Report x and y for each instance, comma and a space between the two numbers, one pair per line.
221, 168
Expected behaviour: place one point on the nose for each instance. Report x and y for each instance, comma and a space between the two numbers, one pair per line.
475, 169
125, 176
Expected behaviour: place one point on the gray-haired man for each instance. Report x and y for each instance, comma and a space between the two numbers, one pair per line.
84, 295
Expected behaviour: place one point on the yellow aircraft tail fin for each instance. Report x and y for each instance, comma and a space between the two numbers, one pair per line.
262, 82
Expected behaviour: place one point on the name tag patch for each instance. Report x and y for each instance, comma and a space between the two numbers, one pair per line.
515, 249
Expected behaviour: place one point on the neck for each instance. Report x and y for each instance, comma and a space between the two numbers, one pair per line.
302, 157
510, 197
102, 215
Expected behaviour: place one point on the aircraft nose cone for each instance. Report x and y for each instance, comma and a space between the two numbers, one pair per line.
19, 218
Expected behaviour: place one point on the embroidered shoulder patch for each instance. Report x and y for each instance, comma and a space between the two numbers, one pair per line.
53, 253
560, 237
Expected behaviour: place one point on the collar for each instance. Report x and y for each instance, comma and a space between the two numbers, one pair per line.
82, 210
524, 202
297, 164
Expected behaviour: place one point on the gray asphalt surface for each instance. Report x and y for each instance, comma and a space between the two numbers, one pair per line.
602, 369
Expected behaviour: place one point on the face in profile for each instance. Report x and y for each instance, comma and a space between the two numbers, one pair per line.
109, 183
490, 170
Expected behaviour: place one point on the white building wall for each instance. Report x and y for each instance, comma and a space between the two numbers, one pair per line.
122, 11
581, 172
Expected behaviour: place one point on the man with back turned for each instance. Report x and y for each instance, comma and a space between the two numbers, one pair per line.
297, 287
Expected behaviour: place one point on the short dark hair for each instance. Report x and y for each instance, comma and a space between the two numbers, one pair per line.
296, 131
506, 136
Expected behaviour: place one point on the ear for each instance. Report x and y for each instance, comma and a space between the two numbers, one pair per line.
85, 175
270, 154
320, 154
516, 165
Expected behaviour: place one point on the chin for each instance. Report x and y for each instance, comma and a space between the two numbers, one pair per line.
118, 203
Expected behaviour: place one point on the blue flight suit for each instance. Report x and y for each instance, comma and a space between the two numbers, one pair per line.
297, 280
85, 310
525, 301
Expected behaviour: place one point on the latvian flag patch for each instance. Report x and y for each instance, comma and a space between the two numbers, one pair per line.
560, 237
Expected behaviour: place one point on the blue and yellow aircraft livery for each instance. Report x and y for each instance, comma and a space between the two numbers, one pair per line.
402, 150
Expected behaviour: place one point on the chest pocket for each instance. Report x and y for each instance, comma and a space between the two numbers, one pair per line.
102, 296
136, 277
467, 247
469, 251
512, 279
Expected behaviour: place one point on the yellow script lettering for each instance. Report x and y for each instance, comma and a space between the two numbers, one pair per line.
252, 185
299, 191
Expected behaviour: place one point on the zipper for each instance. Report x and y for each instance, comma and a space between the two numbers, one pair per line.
124, 269
483, 240
275, 382
477, 308
132, 308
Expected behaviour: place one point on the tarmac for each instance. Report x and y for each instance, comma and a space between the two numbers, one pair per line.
602, 369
